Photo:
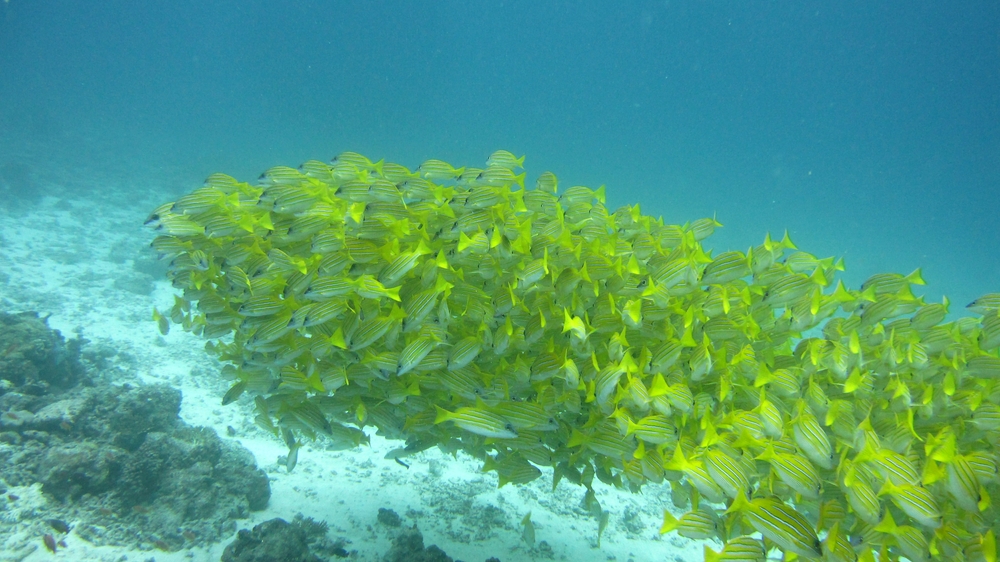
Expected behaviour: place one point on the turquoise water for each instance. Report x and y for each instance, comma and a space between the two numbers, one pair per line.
866, 132
869, 132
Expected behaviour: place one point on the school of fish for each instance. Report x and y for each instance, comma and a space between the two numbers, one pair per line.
453, 307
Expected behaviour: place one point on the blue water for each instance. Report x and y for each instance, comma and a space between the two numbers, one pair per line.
867, 131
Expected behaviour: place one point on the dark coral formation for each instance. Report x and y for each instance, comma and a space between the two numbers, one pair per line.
277, 540
408, 546
34, 358
116, 459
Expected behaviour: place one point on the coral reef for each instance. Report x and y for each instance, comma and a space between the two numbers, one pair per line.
116, 460
35, 359
408, 546
275, 540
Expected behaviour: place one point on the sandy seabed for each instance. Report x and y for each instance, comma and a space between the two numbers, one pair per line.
81, 260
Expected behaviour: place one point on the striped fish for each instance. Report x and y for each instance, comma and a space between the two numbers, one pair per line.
985, 303
882, 283
438, 170
464, 352
863, 501
697, 524
781, 524
703, 228
837, 547
727, 472
179, 225
357, 160
810, 436
369, 331
794, 470
989, 337
526, 415
477, 420
505, 159
655, 429
962, 484
983, 366
739, 549
466, 382
512, 469
929, 315
912, 541
402, 264
370, 288
415, 352
916, 501
890, 465
325, 287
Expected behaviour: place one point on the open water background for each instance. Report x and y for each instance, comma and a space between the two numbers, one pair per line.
869, 130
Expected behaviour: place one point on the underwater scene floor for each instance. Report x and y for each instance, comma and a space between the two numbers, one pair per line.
82, 263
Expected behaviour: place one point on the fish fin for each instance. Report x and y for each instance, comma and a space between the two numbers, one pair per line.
442, 415
669, 522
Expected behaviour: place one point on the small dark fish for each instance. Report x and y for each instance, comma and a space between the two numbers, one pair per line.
162, 545
66, 426
50, 543
105, 511
12, 497
59, 525
140, 509
399, 462
189, 535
